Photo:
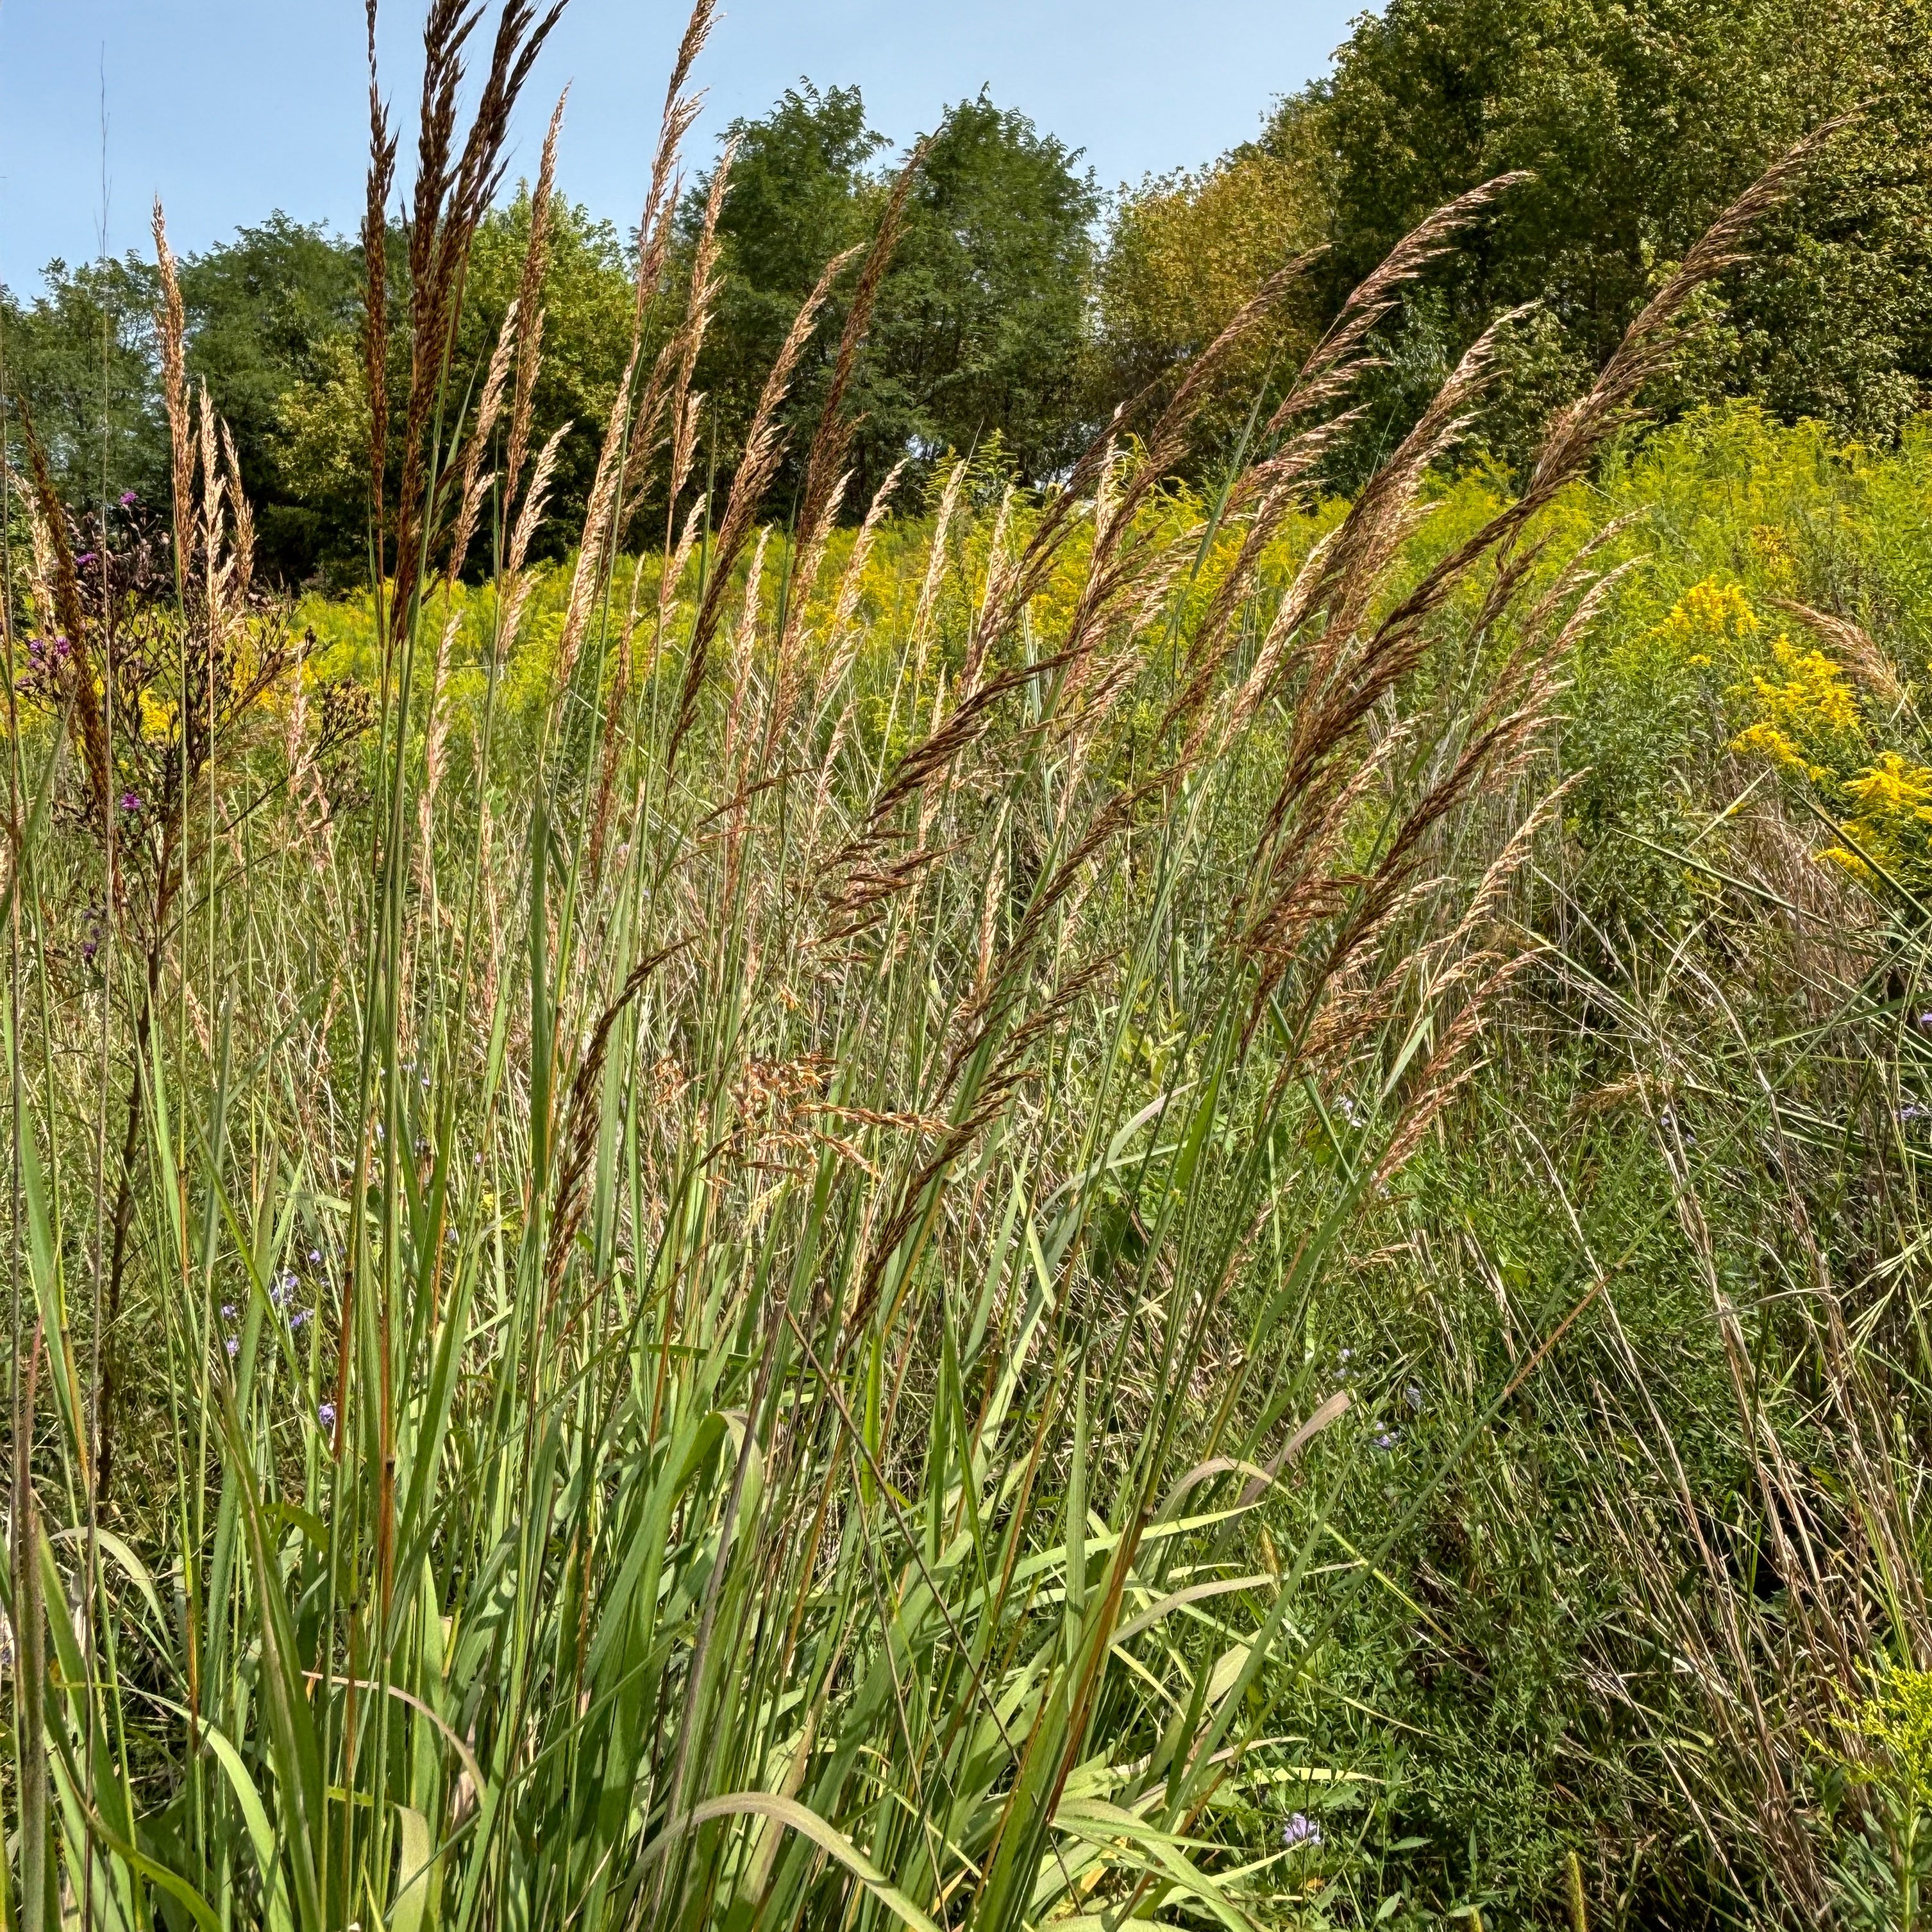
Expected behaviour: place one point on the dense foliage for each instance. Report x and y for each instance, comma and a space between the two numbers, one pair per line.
1637, 123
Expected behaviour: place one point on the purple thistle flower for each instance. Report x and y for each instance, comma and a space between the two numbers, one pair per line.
326, 1415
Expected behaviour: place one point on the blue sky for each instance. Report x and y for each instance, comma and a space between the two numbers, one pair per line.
230, 108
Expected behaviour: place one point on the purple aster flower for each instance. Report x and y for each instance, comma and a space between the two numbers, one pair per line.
1300, 1830
326, 1415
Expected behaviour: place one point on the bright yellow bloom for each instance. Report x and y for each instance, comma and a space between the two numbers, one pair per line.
1711, 618
1768, 741
1810, 696
1892, 787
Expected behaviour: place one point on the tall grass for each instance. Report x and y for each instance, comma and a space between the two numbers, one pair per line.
697, 1308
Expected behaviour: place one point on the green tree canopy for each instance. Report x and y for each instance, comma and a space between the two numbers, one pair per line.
980, 324
80, 355
1640, 120
266, 313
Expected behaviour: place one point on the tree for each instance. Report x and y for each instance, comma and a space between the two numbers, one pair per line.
1183, 256
590, 299
1640, 119
268, 312
983, 319
80, 355
980, 325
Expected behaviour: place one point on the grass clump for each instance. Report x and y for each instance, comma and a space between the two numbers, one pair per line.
708, 1237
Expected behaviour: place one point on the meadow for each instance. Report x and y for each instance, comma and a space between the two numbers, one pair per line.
1183, 1199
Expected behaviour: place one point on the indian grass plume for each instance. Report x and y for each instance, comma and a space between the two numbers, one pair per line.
452, 193
375, 331
219, 566
170, 335
40, 572
1335, 361
90, 726
764, 444
843, 638
529, 306
700, 301
593, 558
823, 488
629, 435
242, 543
472, 484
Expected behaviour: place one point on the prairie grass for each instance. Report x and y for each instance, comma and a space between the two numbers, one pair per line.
676, 1226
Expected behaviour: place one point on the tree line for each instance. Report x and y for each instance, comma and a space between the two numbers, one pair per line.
1023, 306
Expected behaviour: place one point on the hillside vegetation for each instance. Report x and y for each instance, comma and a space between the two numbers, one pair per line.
836, 1172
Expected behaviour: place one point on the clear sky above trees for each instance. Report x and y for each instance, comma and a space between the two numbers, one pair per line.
1138, 86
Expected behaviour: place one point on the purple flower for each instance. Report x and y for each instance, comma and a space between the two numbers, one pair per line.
326, 1415
232, 1346
228, 1311
301, 1315
130, 801
86, 556
92, 946
315, 1256
1386, 1439
128, 499
36, 647
1300, 1830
